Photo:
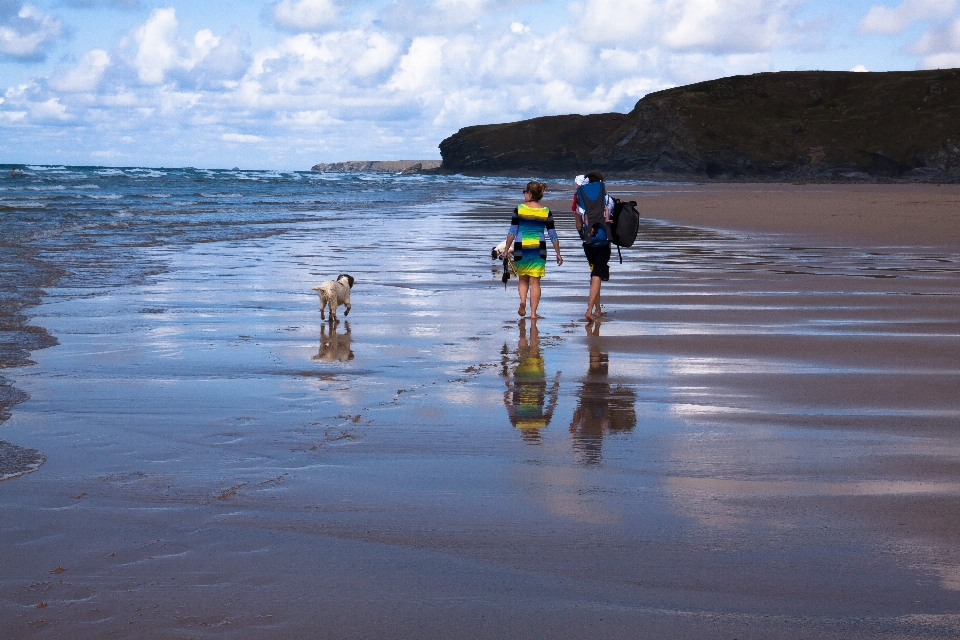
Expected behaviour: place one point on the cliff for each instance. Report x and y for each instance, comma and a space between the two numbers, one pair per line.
379, 166
786, 125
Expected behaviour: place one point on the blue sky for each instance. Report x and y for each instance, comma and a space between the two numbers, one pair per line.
289, 83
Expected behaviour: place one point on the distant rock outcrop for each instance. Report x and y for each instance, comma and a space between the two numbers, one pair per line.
787, 125
379, 166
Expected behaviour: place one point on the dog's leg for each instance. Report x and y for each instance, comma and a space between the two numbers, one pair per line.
346, 303
323, 303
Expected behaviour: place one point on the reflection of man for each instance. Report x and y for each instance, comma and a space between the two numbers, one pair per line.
334, 347
601, 409
526, 398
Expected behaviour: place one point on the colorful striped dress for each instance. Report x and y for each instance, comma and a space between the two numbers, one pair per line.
530, 245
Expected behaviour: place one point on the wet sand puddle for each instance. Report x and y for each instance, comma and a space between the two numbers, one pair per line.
761, 441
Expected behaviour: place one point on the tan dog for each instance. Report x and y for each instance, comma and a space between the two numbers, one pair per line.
334, 293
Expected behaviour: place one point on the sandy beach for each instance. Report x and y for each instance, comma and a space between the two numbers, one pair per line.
761, 440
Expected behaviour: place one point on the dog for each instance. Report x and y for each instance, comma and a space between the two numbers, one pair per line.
334, 293
497, 253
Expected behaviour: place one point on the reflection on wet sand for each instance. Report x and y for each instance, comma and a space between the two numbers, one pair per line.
529, 404
334, 346
601, 408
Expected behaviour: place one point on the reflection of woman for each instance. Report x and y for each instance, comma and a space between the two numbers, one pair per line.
529, 404
601, 409
529, 222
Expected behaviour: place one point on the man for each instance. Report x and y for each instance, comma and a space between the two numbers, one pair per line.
593, 211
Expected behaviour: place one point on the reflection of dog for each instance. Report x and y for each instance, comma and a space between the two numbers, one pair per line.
334, 293
334, 347
497, 253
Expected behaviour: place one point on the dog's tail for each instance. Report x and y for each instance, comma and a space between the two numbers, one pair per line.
316, 288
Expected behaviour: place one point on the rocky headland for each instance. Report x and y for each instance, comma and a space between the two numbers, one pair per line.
379, 166
819, 125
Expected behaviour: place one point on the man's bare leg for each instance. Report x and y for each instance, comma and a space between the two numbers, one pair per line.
593, 300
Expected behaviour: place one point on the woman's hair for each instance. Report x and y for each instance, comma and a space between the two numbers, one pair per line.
595, 176
536, 189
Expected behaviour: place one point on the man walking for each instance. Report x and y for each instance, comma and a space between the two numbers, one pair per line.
593, 211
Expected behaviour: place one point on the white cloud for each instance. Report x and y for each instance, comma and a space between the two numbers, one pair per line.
940, 46
304, 15
160, 49
883, 19
12, 116
25, 31
241, 138
715, 26
49, 110
157, 50
609, 20
734, 26
379, 53
85, 76
420, 66
859, 69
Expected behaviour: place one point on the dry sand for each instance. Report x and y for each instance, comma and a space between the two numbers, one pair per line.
763, 441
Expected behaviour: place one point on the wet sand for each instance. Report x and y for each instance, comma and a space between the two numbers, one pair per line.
763, 439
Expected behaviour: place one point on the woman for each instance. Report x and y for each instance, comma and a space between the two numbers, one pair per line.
530, 249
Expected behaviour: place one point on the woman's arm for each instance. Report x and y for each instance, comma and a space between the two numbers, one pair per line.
514, 230
552, 232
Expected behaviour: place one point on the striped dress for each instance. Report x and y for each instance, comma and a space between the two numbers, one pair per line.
530, 245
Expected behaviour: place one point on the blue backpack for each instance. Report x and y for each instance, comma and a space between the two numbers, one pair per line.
593, 198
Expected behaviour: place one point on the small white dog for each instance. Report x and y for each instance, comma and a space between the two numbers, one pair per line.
497, 253
334, 293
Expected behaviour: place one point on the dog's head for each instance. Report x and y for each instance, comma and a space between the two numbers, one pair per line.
347, 277
494, 254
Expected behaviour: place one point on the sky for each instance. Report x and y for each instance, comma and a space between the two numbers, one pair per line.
289, 83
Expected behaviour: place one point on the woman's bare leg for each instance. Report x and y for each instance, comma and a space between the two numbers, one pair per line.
534, 297
523, 284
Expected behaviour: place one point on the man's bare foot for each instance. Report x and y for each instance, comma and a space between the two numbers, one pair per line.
522, 311
588, 317
535, 316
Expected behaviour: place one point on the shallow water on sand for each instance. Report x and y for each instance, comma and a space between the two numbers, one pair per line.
761, 440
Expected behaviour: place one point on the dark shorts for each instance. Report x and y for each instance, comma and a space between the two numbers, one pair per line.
599, 259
